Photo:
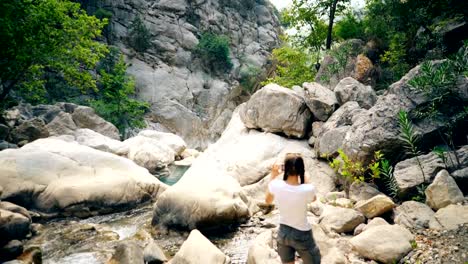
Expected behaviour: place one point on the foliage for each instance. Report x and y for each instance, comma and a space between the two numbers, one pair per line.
394, 57
409, 138
340, 56
294, 66
249, 77
140, 36
47, 36
386, 170
113, 101
214, 51
311, 30
354, 171
420, 195
349, 27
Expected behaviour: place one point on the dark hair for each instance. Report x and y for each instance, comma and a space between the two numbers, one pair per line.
293, 165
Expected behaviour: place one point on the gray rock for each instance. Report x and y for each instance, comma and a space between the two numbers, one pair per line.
11, 250
261, 251
348, 89
413, 215
85, 117
384, 243
4, 131
62, 124
375, 206
449, 217
360, 191
13, 226
343, 116
331, 141
29, 130
461, 178
198, 249
376, 221
341, 220
278, 110
320, 100
127, 252
7, 145
317, 128
443, 191
153, 254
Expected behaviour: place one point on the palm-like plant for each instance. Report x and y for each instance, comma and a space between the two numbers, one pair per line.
409, 138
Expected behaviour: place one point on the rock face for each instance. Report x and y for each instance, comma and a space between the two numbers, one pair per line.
341, 220
53, 175
449, 217
188, 97
375, 206
348, 89
277, 109
210, 192
28, 123
320, 100
443, 191
413, 215
384, 243
198, 249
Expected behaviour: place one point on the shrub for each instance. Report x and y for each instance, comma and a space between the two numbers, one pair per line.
249, 78
354, 171
214, 51
409, 138
294, 66
140, 36
395, 56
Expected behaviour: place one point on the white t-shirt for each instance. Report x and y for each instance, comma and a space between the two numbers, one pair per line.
292, 202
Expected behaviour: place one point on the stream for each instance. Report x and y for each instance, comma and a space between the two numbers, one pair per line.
92, 240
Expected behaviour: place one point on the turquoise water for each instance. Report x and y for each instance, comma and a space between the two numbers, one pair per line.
176, 172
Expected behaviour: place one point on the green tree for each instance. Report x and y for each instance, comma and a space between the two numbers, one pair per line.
349, 27
140, 36
214, 51
294, 66
47, 35
113, 101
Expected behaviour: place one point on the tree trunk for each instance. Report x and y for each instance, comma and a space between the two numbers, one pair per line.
330, 23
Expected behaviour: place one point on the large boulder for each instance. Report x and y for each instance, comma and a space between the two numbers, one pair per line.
198, 249
149, 153
29, 130
153, 254
320, 100
176, 143
261, 251
86, 117
210, 192
360, 191
384, 243
343, 116
62, 124
13, 225
375, 206
449, 217
443, 191
413, 215
53, 175
341, 220
331, 141
127, 252
92, 139
349, 89
278, 110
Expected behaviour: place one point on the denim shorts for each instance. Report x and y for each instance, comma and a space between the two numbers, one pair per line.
291, 240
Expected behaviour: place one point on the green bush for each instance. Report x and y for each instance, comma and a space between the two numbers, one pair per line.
294, 66
140, 36
349, 27
113, 100
214, 51
395, 56
249, 78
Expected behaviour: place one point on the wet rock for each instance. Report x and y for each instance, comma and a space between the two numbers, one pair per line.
449, 217
81, 179
198, 249
153, 254
341, 220
320, 100
277, 109
11, 250
413, 215
375, 206
127, 252
360, 191
443, 191
31, 255
385, 243
13, 226
348, 89
262, 250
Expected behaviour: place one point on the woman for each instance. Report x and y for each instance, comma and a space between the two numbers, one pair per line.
292, 195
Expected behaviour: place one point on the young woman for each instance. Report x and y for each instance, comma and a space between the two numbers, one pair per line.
292, 195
